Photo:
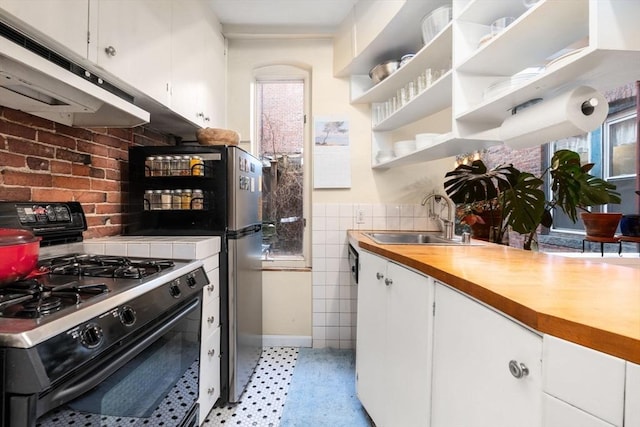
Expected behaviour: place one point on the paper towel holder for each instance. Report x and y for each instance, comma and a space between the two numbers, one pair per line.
524, 105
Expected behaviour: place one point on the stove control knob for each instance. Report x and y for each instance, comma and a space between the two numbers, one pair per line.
91, 335
191, 281
127, 315
174, 289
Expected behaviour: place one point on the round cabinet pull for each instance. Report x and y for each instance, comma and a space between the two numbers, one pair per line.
518, 370
388, 282
211, 288
210, 319
379, 276
110, 50
211, 390
211, 352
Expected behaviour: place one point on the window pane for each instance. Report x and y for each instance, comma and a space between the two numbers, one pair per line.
622, 146
581, 145
280, 128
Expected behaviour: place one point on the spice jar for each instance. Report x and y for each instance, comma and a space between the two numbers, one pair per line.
185, 165
148, 197
186, 199
176, 199
197, 200
197, 166
166, 199
149, 165
156, 200
175, 165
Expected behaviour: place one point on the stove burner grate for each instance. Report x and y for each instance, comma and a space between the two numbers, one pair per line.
104, 266
32, 299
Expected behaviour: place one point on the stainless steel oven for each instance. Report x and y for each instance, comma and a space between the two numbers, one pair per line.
92, 340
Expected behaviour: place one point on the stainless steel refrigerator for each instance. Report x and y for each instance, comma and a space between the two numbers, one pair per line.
231, 184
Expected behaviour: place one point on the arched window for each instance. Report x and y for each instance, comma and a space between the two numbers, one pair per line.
281, 135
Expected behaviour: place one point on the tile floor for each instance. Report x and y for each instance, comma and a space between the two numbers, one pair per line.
262, 403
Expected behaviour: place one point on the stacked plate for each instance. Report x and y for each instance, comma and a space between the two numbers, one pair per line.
384, 156
402, 148
424, 140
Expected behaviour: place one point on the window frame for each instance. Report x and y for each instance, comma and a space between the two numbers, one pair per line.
287, 72
623, 115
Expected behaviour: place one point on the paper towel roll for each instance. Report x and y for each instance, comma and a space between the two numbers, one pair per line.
556, 118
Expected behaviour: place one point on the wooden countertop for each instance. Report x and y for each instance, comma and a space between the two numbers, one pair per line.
593, 304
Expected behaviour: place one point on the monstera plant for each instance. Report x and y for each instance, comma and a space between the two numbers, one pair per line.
519, 196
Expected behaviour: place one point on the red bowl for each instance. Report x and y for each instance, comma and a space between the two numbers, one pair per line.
19, 250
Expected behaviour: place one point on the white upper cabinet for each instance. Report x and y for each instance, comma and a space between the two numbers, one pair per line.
64, 22
197, 64
133, 42
477, 77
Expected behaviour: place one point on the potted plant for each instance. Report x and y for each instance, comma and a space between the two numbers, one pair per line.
520, 197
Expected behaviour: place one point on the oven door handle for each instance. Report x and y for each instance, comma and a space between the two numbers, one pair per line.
88, 380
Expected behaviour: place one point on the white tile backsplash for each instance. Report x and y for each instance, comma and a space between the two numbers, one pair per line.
334, 298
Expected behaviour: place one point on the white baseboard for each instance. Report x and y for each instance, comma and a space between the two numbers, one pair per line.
286, 341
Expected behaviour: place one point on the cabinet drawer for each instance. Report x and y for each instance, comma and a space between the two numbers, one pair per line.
209, 373
213, 288
210, 316
585, 378
556, 413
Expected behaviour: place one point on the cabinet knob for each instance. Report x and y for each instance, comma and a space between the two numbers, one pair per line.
211, 352
379, 276
388, 281
211, 390
210, 319
110, 50
518, 370
211, 288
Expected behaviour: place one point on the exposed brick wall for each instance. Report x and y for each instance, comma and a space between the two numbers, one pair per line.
41, 160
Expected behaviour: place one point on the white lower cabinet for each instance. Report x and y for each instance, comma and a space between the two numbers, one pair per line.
209, 390
632, 396
486, 367
586, 379
556, 413
393, 349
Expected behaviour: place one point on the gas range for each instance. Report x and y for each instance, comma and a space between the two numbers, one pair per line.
75, 288
80, 318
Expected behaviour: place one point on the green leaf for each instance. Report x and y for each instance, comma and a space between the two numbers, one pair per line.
524, 205
474, 183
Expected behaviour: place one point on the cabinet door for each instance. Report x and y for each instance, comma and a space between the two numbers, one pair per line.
472, 382
557, 413
64, 21
409, 347
209, 390
632, 396
370, 344
134, 44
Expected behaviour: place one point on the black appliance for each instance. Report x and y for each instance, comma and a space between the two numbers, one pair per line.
96, 340
229, 184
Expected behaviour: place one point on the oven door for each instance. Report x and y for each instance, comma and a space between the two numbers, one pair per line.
151, 381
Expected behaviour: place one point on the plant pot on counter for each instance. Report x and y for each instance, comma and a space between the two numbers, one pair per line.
630, 225
601, 224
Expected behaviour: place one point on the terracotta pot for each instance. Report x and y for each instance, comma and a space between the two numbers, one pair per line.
601, 224
483, 231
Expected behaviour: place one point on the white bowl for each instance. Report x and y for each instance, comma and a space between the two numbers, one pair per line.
434, 22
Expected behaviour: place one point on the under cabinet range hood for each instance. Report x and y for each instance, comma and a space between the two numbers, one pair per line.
41, 82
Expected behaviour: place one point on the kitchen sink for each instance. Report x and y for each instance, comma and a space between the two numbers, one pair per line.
414, 238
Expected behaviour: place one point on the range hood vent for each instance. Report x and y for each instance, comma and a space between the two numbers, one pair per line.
41, 82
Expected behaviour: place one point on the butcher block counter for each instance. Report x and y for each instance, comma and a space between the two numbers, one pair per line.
596, 305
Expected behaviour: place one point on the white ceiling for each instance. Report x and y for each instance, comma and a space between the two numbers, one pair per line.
312, 17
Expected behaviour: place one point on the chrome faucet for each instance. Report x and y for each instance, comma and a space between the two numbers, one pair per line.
448, 222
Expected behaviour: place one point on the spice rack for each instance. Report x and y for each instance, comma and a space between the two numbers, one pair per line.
177, 190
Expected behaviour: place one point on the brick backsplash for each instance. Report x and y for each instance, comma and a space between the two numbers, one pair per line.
48, 161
